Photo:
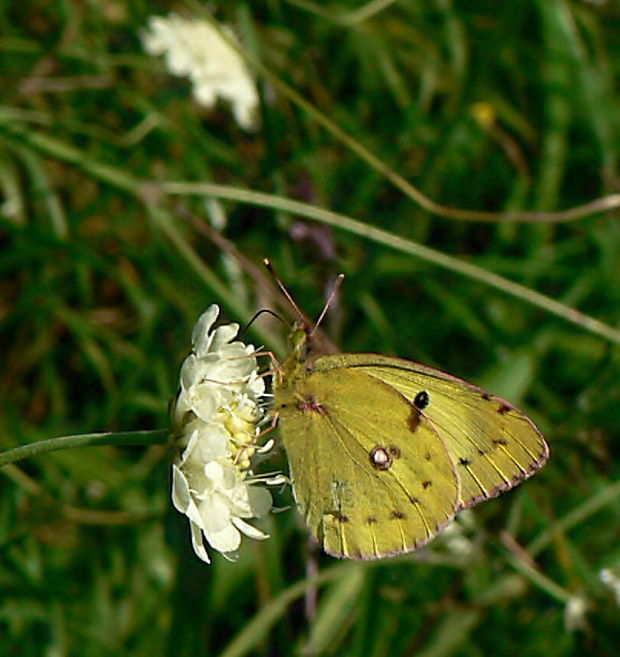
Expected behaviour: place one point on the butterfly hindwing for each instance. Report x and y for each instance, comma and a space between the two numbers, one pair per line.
371, 474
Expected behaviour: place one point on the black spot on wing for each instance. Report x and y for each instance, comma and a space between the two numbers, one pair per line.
340, 517
421, 400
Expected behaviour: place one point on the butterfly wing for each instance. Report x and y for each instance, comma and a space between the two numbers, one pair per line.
493, 444
370, 473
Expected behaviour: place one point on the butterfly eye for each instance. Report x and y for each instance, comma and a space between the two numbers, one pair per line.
421, 400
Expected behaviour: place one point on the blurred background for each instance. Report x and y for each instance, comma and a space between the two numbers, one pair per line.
112, 128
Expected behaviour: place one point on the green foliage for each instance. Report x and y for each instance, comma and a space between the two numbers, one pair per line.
486, 106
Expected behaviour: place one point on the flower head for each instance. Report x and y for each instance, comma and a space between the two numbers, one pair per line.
194, 48
610, 578
575, 611
216, 421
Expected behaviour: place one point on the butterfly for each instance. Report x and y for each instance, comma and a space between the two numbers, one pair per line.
383, 451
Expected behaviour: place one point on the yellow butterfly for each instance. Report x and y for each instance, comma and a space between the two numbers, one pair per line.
383, 452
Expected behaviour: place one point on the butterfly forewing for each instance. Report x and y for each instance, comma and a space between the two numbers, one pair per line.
493, 444
371, 474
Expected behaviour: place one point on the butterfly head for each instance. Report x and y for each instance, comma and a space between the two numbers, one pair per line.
307, 340
309, 343
302, 342
297, 361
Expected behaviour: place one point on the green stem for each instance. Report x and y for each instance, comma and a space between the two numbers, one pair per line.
400, 244
577, 516
148, 194
122, 180
541, 581
596, 206
152, 437
257, 629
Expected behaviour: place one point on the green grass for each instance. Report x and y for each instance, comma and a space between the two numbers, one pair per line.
437, 122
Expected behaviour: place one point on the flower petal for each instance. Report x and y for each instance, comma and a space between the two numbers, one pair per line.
223, 335
248, 530
206, 399
207, 443
260, 501
198, 543
201, 336
180, 490
214, 514
228, 539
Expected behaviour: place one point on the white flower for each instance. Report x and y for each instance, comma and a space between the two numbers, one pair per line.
612, 581
194, 48
575, 611
216, 417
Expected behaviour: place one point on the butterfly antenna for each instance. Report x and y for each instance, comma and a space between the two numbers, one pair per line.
286, 293
328, 303
256, 316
